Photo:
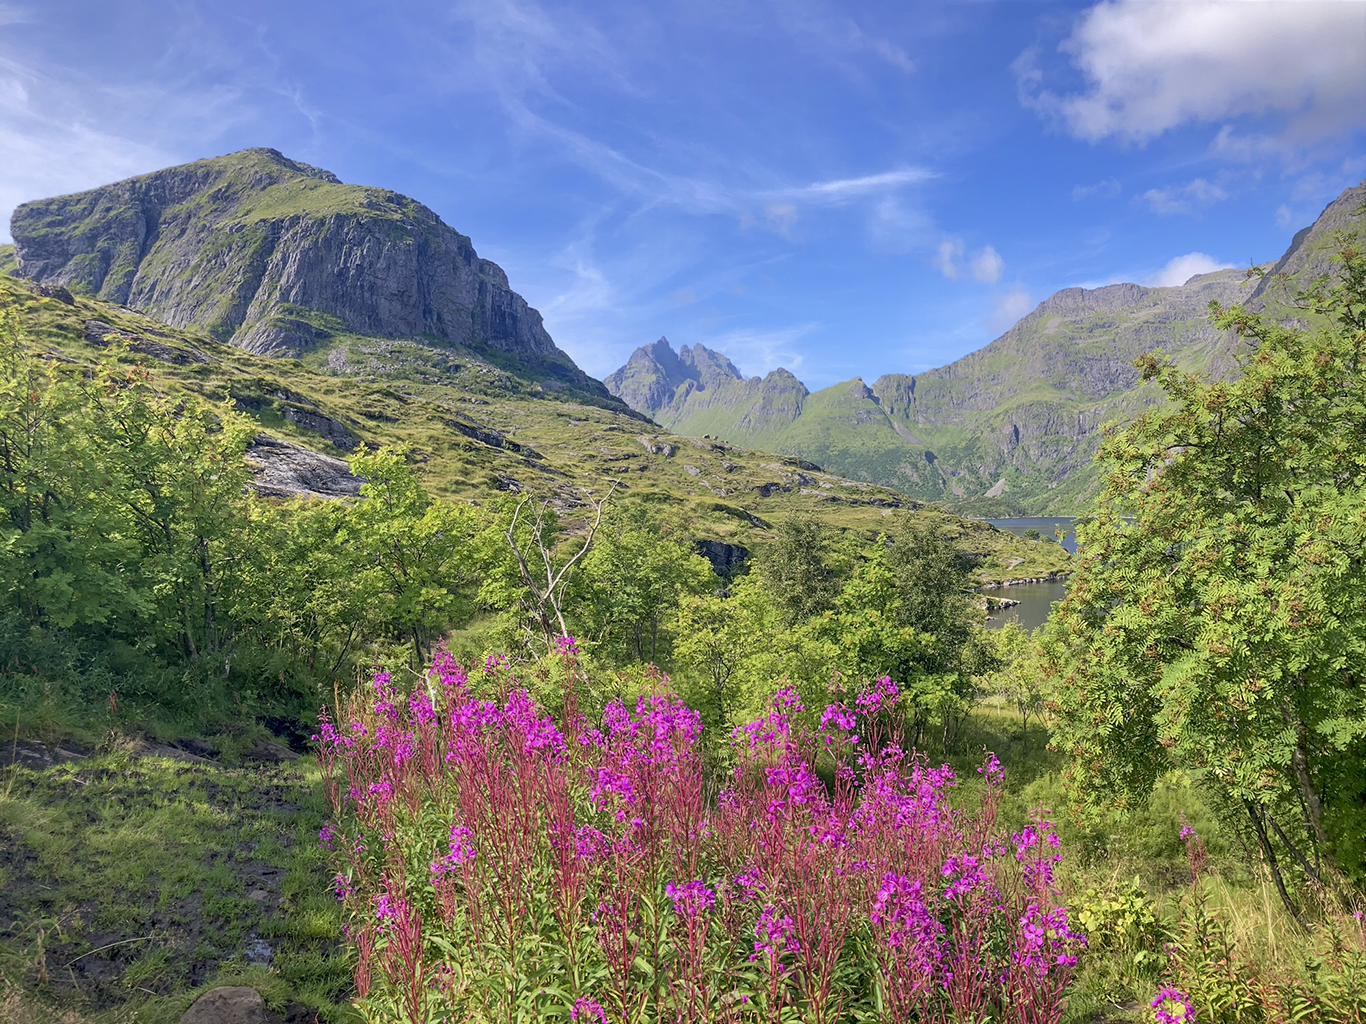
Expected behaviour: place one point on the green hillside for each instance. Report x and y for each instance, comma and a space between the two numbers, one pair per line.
481, 430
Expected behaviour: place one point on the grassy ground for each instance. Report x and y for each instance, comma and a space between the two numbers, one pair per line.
129, 884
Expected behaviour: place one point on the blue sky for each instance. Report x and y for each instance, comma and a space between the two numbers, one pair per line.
844, 189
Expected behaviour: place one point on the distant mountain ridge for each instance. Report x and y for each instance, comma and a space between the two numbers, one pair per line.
1012, 427
279, 258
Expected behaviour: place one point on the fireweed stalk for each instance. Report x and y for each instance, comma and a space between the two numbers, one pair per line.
497, 865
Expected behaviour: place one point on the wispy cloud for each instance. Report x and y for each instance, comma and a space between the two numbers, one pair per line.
1107, 189
1008, 307
758, 351
841, 189
1187, 198
985, 266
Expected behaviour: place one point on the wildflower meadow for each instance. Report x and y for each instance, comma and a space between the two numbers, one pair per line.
498, 865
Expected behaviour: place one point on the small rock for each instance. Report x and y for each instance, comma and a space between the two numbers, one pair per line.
271, 753
54, 291
229, 1004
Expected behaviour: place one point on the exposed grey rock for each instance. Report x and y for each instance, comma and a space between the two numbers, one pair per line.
229, 1004
31, 754
57, 292
725, 558
269, 752
290, 471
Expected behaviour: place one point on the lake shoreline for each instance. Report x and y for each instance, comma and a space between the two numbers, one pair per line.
1057, 577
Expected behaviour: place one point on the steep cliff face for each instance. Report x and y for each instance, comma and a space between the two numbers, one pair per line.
280, 258
1015, 425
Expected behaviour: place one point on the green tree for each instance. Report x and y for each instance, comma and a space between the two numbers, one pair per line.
65, 560
795, 569
716, 635
123, 506
632, 580
1216, 619
415, 573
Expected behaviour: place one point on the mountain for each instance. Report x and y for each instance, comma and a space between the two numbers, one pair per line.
1012, 427
280, 258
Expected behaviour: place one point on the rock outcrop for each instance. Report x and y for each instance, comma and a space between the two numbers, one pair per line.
280, 258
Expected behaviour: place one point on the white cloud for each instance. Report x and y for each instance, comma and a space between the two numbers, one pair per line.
1182, 268
1153, 66
946, 259
1009, 307
49, 153
986, 266
1107, 189
1185, 198
841, 189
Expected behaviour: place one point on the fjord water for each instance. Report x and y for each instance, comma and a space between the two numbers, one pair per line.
1035, 598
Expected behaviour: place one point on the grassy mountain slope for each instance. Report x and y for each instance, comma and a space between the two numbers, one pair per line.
499, 435
8, 263
1015, 425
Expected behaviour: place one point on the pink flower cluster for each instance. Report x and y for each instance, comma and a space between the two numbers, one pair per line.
483, 844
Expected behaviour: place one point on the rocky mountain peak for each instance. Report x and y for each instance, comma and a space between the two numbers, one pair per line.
712, 368
280, 258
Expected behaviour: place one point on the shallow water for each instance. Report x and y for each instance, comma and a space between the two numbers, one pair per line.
1035, 598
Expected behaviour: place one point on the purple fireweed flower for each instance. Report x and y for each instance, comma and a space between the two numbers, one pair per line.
882, 695
691, 898
748, 885
991, 771
325, 836
420, 707
537, 731
1046, 941
588, 1010
460, 851
385, 909
965, 875
341, 885
909, 927
590, 844
1172, 1006
1030, 851
493, 663
775, 935
839, 716
566, 645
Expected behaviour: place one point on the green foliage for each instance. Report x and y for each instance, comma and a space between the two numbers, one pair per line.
1016, 677
904, 613
625, 598
796, 571
1216, 620
122, 505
